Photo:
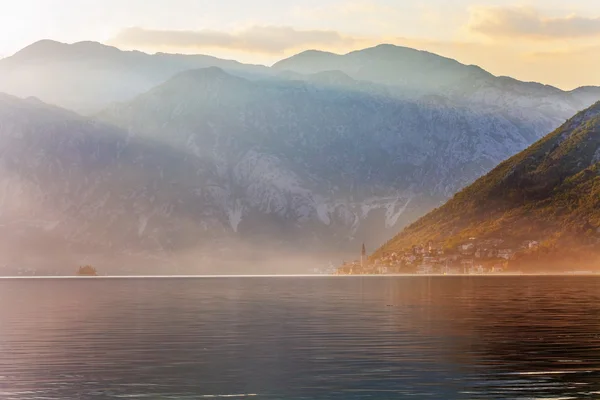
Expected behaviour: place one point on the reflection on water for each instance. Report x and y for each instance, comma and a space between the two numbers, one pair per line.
301, 338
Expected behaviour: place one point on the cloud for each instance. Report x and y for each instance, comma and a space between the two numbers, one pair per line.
255, 39
525, 22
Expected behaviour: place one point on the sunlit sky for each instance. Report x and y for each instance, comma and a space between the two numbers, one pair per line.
550, 41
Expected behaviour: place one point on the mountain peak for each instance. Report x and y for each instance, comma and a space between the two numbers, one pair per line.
41, 48
196, 82
395, 53
387, 48
304, 62
88, 45
315, 53
51, 49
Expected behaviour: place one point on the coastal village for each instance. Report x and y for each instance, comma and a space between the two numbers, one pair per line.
472, 257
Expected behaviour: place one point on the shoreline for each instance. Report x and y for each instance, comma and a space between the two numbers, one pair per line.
584, 274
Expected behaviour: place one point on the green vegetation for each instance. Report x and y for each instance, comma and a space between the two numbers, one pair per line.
549, 193
87, 270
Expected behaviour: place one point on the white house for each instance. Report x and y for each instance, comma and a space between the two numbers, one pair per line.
507, 254
466, 246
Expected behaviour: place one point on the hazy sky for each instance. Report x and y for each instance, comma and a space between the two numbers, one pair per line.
551, 41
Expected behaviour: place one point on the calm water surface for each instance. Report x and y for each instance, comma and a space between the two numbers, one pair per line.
301, 338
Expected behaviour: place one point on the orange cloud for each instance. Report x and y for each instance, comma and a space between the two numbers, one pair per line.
255, 39
525, 22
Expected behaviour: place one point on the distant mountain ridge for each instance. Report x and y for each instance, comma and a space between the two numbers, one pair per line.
87, 76
97, 75
418, 74
398, 66
549, 193
386, 64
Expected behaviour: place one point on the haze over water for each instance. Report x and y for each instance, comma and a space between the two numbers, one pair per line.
301, 338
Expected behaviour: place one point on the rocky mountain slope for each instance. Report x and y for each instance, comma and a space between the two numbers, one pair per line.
357, 165
549, 193
72, 189
75, 190
87, 76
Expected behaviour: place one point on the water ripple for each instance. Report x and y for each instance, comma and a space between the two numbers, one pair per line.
301, 338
